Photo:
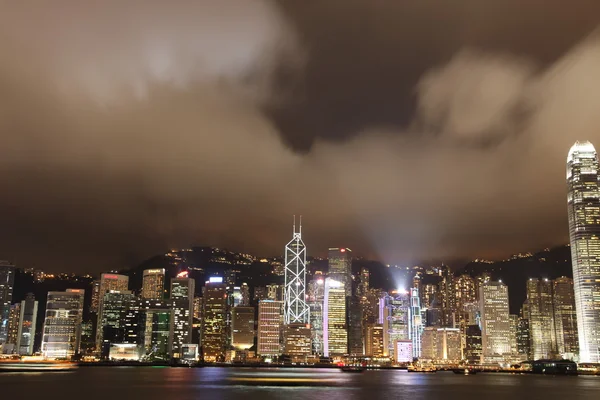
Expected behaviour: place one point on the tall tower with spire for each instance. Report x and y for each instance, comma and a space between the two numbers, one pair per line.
296, 309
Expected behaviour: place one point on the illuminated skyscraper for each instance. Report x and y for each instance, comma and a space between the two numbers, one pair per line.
214, 334
7, 280
495, 322
62, 325
242, 327
108, 282
113, 322
565, 318
95, 303
182, 300
364, 282
340, 267
541, 318
12, 328
27, 321
316, 294
153, 284
583, 201
297, 341
374, 346
416, 323
295, 308
464, 290
394, 315
335, 329
270, 326
156, 329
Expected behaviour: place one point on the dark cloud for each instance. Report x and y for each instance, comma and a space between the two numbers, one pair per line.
405, 130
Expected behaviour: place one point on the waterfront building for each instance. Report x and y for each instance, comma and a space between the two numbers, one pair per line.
583, 201
441, 345
340, 267
95, 303
374, 343
565, 318
495, 322
62, 324
270, 326
316, 295
153, 284
416, 323
394, 315
541, 319
355, 327
113, 321
214, 333
108, 282
7, 281
297, 341
242, 324
156, 326
335, 329
27, 325
295, 308
473, 347
182, 301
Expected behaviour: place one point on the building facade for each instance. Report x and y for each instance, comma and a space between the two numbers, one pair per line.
62, 324
242, 324
153, 284
583, 205
340, 267
7, 281
335, 328
495, 321
214, 333
182, 302
270, 326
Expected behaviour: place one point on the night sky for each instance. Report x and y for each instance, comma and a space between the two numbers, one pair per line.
405, 130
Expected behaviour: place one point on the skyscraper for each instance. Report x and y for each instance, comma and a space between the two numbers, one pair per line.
12, 329
7, 280
115, 306
156, 328
242, 327
295, 308
108, 282
374, 346
565, 317
340, 267
270, 324
495, 323
182, 301
541, 318
394, 315
416, 323
335, 329
95, 303
583, 200
27, 321
316, 294
153, 284
62, 324
214, 334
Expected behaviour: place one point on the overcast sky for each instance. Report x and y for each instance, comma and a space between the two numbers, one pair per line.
405, 130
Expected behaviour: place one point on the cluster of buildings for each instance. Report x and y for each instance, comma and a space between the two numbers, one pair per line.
333, 315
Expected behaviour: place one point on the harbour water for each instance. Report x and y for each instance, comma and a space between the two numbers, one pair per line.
164, 383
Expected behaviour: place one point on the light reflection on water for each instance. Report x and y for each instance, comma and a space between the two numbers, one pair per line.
108, 383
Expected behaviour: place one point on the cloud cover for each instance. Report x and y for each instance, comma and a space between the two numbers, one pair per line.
127, 129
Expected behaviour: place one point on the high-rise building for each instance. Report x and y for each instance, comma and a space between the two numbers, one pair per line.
95, 303
514, 331
583, 200
416, 323
245, 291
524, 339
464, 290
441, 344
355, 327
340, 267
156, 327
374, 346
473, 350
242, 327
270, 326
108, 282
276, 292
316, 294
153, 284
27, 323
113, 320
364, 282
62, 324
182, 301
541, 318
12, 328
394, 315
335, 329
297, 341
214, 333
7, 281
565, 317
295, 308
495, 322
